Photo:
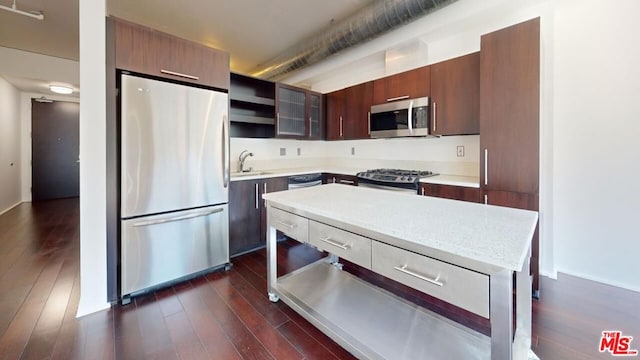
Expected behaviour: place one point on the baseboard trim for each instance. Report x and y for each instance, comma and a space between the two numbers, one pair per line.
599, 280
11, 207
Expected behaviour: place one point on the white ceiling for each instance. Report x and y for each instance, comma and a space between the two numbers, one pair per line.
252, 31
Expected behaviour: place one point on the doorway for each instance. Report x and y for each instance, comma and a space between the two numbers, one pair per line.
55, 145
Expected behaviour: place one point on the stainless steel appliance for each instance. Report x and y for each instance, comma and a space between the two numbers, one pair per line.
393, 179
400, 118
302, 181
174, 182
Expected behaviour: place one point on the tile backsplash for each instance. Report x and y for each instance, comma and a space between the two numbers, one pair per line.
435, 154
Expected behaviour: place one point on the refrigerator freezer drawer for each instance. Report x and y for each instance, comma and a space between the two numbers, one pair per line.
161, 248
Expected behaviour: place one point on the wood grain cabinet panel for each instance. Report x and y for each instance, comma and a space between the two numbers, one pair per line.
357, 106
335, 113
148, 51
247, 213
455, 96
461, 193
509, 121
509, 108
409, 84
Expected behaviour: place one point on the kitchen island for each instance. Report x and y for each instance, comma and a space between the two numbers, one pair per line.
462, 253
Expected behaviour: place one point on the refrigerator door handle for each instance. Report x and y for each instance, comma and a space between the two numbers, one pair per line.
225, 150
177, 218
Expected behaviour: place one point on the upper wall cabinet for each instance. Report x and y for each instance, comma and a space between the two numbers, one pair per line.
407, 85
455, 96
348, 112
144, 50
299, 113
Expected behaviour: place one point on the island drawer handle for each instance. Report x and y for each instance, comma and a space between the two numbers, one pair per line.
290, 226
336, 244
403, 269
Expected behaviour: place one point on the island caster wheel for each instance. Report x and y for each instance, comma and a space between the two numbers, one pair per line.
273, 297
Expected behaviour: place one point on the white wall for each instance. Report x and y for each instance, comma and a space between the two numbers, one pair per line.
10, 166
597, 129
93, 217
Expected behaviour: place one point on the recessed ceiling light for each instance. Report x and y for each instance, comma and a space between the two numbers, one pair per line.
59, 89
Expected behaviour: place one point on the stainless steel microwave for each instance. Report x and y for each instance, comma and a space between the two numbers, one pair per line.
400, 118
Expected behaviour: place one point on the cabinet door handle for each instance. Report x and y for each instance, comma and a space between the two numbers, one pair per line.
410, 120
347, 182
435, 119
169, 72
334, 179
225, 150
403, 269
257, 197
264, 191
336, 244
422, 190
340, 126
486, 162
290, 226
486, 199
398, 98
369, 122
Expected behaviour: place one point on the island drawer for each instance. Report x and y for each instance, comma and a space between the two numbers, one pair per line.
349, 246
461, 287
292, 225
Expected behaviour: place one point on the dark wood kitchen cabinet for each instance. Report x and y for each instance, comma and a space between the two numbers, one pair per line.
406, 85
299, 113
455, 96
335, 113
461, 193
330, 178
247, 213
148, 51
509, 120
348, 112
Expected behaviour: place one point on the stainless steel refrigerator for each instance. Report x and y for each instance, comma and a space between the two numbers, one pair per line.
174, 182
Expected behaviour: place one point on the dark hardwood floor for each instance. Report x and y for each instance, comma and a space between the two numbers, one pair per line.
224, 315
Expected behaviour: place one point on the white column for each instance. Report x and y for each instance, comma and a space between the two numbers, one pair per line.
93, 254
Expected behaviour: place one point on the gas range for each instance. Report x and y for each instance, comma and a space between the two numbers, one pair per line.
393, 178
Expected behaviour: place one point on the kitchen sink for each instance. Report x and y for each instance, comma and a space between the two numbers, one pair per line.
250, 173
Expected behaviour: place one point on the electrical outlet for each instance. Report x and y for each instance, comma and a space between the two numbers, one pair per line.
353, 151
298, 151
283, 151
460, 151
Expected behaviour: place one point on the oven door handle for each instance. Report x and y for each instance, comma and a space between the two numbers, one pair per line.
409, 120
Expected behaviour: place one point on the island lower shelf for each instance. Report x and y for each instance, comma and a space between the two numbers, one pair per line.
373, 323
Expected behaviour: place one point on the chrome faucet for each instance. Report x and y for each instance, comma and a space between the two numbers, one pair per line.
243, 156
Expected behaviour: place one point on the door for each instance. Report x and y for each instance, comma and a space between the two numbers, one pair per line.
174, 145
55, 145
244, 216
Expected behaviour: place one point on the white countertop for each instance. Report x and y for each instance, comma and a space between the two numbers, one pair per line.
467, 181
493, 235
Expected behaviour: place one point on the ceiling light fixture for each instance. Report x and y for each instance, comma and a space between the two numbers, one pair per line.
34, 14
59, 89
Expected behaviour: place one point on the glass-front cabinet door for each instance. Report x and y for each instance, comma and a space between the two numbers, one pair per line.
291, 117
300, 113
315, 115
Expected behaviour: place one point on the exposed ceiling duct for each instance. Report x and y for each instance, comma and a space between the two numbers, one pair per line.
14, 9
372, 21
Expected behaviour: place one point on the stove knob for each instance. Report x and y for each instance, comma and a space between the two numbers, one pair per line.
410, 179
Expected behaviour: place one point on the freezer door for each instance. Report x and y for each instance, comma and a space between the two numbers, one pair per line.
162, 248
174, 147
